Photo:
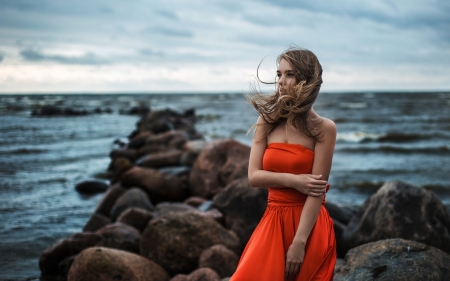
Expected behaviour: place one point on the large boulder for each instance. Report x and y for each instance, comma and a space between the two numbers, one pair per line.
218, 164
176, 240
242, 206
219, 258
102, 264
160, 186
394, 260
72, 245
133, 197
400, 210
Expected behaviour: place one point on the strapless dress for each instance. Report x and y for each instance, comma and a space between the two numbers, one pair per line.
264, 257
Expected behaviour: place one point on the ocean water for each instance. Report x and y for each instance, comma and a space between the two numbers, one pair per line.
381, 137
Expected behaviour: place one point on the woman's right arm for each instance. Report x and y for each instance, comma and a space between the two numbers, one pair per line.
308, 184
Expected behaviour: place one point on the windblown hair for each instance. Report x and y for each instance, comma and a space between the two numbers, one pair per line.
294, 106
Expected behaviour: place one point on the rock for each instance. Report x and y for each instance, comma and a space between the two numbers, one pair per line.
108, 200
341, 244
64, 266
216, 215
136, 217
401, 210
218, 164
50, 110
159, 186
126, 153
119, 230
139, 140
179, 277
72, 245
169, 120
176, 171
165, 208
170, 139
91, 187
176, 240
118, 167
133, 197
340, 213
127, 245
102, 264
95, 222
219, 258
160, 159
242, 206
194, 201
191, 151
394, 259
203, 274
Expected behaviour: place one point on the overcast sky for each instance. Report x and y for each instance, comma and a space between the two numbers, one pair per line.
216, 46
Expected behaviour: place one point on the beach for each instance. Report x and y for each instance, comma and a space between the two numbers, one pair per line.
381, 137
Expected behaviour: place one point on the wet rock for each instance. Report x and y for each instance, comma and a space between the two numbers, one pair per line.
91, 187
401, 210
136, 217
105, 205
191, 150
169, 120
126, 153
119, 230
394, 259
242, 206
50, 110
176, 240
159, 186
176, 171
72, 245
194, 201
218, 164
165, 208
133, 197
95, 222
203, 274
161, 159
219, 258
102, 264
127, 245
341, 213
118, 167
138, 140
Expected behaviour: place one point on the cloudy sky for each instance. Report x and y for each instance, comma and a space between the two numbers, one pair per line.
216, 46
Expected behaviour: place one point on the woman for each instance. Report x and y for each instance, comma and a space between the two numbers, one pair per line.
291, 155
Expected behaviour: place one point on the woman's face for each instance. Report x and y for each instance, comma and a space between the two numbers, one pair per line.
286, 78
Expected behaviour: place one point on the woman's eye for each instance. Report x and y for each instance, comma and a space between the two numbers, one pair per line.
278, 75
290, 75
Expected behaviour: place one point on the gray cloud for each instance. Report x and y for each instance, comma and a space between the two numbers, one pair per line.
36, 56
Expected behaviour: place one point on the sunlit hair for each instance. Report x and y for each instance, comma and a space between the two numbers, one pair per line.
294, 106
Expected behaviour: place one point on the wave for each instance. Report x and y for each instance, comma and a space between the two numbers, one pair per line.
353, 105
388, 137
396, 149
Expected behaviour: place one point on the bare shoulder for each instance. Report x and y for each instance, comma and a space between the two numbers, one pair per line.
327, 126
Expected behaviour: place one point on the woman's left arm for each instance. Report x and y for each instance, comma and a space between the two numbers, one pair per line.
323, 156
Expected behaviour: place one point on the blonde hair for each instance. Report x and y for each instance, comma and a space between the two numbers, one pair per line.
294, 106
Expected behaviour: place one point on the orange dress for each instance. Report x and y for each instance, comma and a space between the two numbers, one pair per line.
264, 257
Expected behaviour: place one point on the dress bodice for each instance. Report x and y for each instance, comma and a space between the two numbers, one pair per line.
287, 158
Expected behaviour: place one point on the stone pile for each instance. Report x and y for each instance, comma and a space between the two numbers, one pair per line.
180, 208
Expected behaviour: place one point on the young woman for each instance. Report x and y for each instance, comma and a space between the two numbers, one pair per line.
291, 155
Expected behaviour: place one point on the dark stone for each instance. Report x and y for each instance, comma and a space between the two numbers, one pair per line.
194, 201
400, 210
394, 259
341, 213
221, 162
165, 208
242, 206
176, 171
136, 217
119, 230
160, 159
95, 222
103, 264
203, 274
108, 200
72, 245
219, 258
176, 240
91, 187
133, 197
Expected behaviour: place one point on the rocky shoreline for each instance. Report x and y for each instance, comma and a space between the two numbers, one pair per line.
179, 208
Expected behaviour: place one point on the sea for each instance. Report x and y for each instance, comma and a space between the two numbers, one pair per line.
381, 137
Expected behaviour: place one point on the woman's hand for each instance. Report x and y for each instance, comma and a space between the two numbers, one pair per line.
311, 185
294, 260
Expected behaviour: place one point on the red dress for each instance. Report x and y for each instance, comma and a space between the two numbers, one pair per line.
264, 257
